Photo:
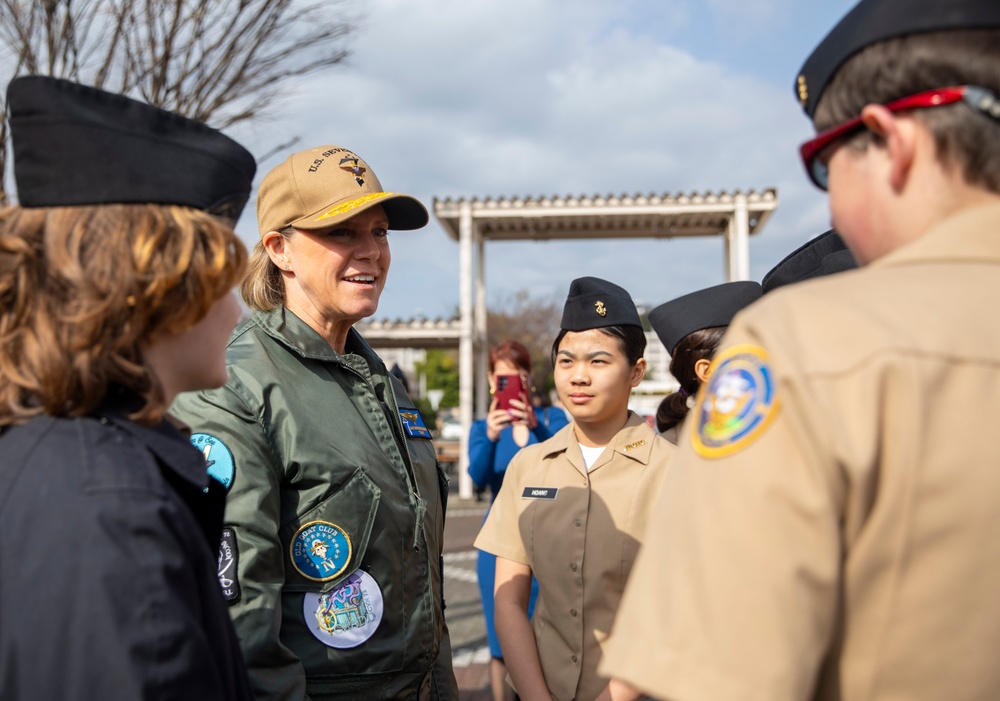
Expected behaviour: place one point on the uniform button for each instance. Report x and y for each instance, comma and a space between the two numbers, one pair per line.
574, 658
572, 612
572, 566
578, 522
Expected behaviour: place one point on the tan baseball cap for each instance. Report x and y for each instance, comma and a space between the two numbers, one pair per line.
325, 185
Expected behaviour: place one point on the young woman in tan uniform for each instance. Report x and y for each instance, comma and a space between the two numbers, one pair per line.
573, 510
691, 328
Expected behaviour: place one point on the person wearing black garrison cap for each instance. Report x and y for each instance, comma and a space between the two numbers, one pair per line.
116, 271
823, 535
573, 510
825, 254
691, 327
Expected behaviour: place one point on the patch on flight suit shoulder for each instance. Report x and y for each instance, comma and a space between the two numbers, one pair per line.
348, 614
320, 551
539, 492
218, 458
229, 564
414, 424
737, 403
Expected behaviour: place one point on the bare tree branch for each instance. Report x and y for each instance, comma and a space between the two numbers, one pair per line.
219, 61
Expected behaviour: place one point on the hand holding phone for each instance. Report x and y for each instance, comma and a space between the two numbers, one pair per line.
510, 387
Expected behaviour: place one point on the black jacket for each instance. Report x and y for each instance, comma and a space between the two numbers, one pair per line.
109, 535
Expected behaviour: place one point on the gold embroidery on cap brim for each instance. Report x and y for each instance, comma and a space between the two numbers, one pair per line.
353, 204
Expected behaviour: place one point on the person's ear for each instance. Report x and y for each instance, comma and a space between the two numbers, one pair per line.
638, 372
275, 245
703, 369
899, 136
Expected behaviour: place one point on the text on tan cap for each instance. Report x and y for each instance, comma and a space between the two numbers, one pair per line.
325, 185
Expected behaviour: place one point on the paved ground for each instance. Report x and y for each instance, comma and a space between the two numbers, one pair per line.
464, 613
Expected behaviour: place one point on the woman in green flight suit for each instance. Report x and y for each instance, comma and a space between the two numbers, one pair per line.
335, 518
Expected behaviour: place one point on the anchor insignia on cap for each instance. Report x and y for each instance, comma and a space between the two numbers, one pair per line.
600, 308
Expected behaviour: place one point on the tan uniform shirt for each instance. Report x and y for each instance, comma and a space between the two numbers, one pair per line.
829, 529
579, 532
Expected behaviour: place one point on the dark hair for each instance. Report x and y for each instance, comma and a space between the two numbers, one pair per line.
631, 339
697, 345
512, 352
904, 66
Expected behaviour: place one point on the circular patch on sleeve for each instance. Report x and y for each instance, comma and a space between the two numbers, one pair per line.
320, 551
218, 457
348, 614
738, 402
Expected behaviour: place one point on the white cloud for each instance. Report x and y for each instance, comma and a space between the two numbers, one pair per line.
526, 97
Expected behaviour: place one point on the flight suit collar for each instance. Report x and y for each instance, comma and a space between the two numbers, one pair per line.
291, 331
633, 441
971, 235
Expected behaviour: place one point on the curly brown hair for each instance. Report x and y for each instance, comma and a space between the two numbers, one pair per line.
82, 289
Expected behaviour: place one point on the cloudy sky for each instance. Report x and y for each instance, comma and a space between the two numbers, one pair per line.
516, 98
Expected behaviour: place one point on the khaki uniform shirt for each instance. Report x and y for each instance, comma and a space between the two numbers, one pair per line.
579, 532
829, 529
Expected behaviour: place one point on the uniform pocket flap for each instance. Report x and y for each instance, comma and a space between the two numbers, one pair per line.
326, 544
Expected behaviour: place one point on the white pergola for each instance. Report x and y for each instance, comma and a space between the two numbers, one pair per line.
733, 216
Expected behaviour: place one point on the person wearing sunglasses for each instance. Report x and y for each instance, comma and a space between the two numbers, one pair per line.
825, 531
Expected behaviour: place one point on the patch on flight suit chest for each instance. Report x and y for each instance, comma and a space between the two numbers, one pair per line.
414, 424
218, 458
348, 614
229, 564
320, 550
737, 404
539, 492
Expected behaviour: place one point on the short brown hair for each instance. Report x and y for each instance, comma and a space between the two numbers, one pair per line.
83, 288
908, 65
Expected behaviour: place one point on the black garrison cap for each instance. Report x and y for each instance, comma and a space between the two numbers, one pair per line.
594, 303
872, 21
77, 145
704, 309
824, 255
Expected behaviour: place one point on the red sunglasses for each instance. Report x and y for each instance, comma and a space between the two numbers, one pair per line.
978, 98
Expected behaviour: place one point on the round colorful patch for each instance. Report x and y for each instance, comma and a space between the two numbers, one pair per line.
348, 614
218, 457
738, 404
320, 551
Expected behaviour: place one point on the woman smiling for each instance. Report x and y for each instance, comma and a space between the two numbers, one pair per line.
335, 517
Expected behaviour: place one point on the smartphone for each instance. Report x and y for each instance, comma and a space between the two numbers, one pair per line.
510, 387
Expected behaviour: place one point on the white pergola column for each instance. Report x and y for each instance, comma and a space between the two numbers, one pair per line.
482, 350
466, 344
738, 241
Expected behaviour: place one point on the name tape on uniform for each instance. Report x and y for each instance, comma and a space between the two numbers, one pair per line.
413, 424
539, 492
